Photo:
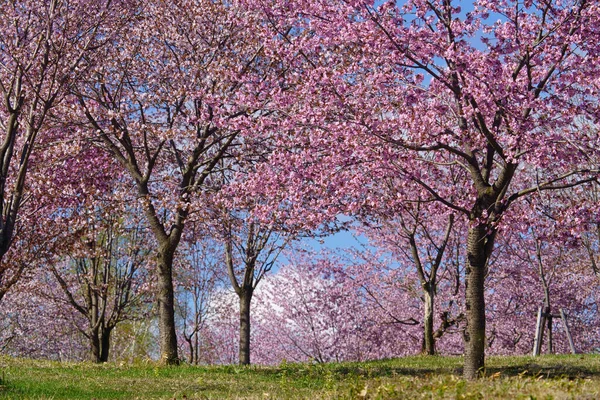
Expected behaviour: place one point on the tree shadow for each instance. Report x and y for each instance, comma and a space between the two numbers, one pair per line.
583, 367
547, 371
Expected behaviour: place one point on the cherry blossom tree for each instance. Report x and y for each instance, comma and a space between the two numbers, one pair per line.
44, 47
588, 222
104, 277
462, 138
323, 307
34, 326
420, 86
548, 265
251, 250
222, 330
409, 230
177, 94
199, 276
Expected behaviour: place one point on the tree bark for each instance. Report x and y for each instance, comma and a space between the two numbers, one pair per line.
166, 309
105, 344
94, 335
428, 339
191, 350
197, 347
477, 244
550, 339
244, 353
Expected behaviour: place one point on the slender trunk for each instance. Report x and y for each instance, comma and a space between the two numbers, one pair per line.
94, 346
197, 347
191, 349
475, 302
105, 344
547, 302
548, 307
428, 339
245, 299
550, 344
166, 309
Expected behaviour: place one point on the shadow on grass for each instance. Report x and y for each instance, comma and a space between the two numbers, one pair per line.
546, 371
373, 369
549, 368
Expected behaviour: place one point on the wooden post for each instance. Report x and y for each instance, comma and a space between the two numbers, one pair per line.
568, 332
539, 332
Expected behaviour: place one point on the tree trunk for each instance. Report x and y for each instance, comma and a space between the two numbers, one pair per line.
166, 309
197, 347
550, 343
95, 346
191, 349
105, 344
245, 299
547, 302
475, 302
428, 339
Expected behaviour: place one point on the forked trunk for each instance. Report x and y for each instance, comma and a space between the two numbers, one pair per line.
245, 299
475, 302
166, 309
428, 339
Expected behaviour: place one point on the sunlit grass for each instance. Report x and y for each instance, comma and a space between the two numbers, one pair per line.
547, 377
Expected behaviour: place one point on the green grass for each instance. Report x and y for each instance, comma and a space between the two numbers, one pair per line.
547, 377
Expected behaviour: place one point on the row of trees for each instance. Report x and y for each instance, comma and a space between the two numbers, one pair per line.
439, 130
319, 306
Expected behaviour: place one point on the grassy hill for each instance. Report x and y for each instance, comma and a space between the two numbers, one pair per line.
547, 377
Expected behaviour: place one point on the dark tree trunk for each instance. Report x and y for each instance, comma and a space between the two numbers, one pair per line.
245, 299
94, 336
191, 350
550, 339
547, 302
105, 344
477, 243
197, 347
428, 339
166, 309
